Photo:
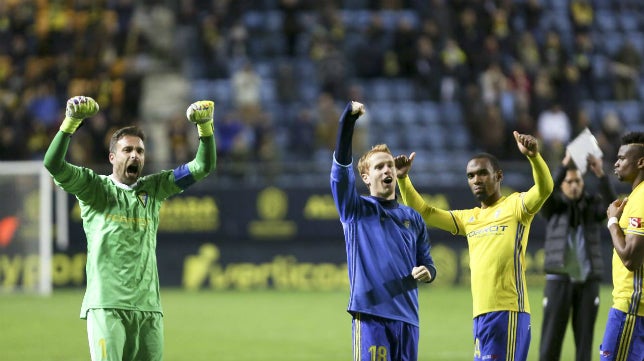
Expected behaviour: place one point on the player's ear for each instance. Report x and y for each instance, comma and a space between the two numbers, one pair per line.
499, 175
365, 178
111, 157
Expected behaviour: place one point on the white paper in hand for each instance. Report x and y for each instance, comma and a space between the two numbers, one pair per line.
584, 144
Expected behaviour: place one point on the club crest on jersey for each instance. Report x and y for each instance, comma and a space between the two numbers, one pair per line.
143, 198
407, 223
635, 222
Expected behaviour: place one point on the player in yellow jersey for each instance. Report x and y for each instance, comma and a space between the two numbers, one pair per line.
497, 236
624, 334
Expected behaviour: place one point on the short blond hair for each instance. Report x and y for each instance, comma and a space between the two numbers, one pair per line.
363, 163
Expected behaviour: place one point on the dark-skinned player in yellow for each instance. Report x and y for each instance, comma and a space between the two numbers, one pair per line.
497, 236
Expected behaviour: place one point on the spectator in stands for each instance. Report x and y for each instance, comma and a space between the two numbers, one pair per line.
554, 131
553, 55
569, 89
97, 132
581, 121
468, 35
436, 19
302, 136
532, 11
527, 53
212, 48
180, 147
238, 40
326, 124
626, 66
501, 29
427, 70
492, 132
43, 106
37, 140
453, 70
117, 42
609, 136
10, 140
368, 55
332, 70
404, 45
290, 24
493, 82
474, 109
234, 139
246, 85
492, 52
525, 123
520, 84
582, 55
543, 94
330, 19
263, 137
432, 29
581, 15
287, 83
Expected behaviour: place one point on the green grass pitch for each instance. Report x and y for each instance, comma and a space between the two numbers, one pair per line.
254, 325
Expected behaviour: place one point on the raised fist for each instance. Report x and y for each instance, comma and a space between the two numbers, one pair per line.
81, 107
357, 108
200, 112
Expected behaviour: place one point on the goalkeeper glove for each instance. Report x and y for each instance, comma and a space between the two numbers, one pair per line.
78, 108
201, 114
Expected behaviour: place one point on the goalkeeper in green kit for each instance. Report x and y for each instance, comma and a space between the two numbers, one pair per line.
120, 215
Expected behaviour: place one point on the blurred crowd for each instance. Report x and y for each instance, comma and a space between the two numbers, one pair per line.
280, 71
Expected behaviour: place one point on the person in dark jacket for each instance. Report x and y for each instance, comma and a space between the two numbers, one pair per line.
573, 260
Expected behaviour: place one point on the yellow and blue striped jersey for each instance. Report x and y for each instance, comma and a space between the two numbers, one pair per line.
497, 237
627, 285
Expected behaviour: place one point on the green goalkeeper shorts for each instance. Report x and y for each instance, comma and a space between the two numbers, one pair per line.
124, 335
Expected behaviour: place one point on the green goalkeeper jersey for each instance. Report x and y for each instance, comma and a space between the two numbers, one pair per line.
121, 223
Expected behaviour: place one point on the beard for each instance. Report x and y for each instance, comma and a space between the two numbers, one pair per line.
482, 197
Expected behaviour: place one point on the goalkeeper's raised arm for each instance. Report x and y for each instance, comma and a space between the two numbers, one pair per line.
78, 108
127, 150
201, 114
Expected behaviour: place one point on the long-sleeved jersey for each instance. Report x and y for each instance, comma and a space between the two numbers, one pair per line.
384, 241
627, 285
121, 223
497, 238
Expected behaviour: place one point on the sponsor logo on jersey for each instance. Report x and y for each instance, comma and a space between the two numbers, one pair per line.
635, 222
495, 229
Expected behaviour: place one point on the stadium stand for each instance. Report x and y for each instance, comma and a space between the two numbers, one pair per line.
417, 94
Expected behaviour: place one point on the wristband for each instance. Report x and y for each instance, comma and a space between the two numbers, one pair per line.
205, 129
611, 221
70, 125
